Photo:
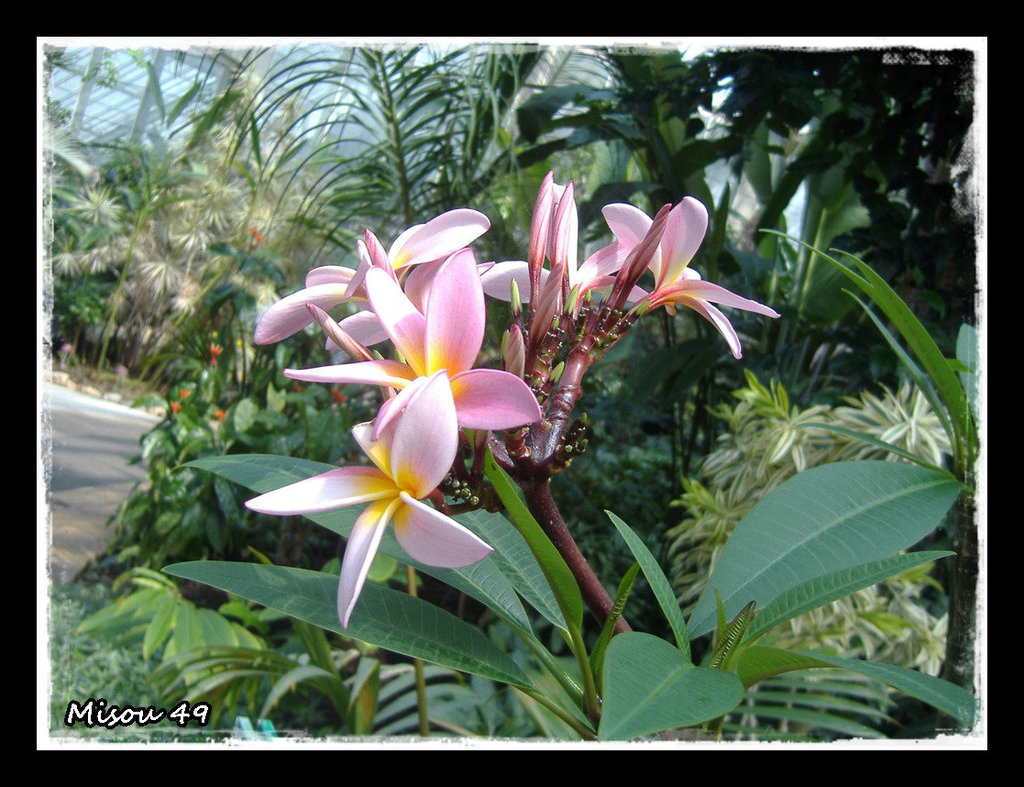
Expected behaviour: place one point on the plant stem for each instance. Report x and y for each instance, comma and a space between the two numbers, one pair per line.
544, 509
574, 723
959, 665
421, 682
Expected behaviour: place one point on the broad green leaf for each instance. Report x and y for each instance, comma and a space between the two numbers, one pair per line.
650, 687
759, 662
488, 581
551, 562
383, 617
821, 590
823, 520
659, 583
517, 569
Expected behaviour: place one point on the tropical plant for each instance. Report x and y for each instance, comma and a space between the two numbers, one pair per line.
831, 530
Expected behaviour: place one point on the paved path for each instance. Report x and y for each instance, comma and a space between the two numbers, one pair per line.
87, 444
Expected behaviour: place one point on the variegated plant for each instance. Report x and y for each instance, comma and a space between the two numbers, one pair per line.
768, 440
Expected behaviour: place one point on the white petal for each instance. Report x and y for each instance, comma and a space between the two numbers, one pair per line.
343, 486
360, 549
431, 538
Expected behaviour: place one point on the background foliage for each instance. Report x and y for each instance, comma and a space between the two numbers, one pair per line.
162, 249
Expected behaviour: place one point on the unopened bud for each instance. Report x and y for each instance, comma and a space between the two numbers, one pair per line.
338, 336
513, 351
572, 304
516, 300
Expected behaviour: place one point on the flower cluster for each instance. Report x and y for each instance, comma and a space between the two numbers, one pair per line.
426, 296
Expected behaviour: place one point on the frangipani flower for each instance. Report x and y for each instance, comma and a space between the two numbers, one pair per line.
445, 336
554, 235
674, 282
329, 285
412, 455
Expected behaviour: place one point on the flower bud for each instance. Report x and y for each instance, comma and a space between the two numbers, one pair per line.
513, 351
335, 333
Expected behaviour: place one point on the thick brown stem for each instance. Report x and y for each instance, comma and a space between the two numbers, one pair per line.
544, 509
959, 666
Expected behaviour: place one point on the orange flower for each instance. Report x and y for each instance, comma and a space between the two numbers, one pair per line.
175, 406
339, 397
219, 414
184, 393
215, 351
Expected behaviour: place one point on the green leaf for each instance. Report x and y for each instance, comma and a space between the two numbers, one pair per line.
608, 629
383, 617
967, 354
244, 415
825, 519
927, 352
486, 581
659, 583
651, 687
306, 672
551, 562
871, 440
821, 590
160, 626
759, 662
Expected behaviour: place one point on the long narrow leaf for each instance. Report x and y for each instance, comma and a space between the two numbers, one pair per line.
759, 662
553, 565
821, 590
659, 583
384, 617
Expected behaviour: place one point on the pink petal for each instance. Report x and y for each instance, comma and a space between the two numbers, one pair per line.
365, 327
387, 373
684, 232
393, 407
403, 321
360, 549
329, 274
426, 437
540, 224
338, 488
431, 538
439, 237
492, 399
497, 280
290, 315
417, 284
565, 233
628, 223
604, 262
455, 315
689, 288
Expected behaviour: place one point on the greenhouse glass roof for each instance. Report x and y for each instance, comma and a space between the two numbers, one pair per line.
101, 94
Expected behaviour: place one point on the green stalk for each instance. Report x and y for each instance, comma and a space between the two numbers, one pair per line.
421, 683
585, 732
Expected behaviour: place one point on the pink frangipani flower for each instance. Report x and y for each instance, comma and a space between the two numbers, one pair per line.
329, 285
554, 235
674, 282
411, 455
445, 336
